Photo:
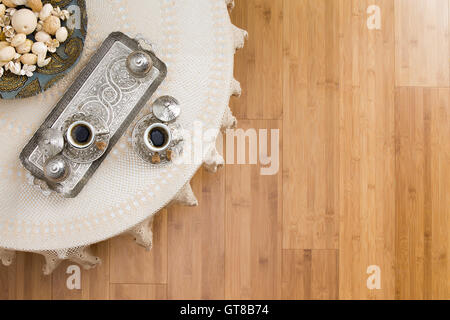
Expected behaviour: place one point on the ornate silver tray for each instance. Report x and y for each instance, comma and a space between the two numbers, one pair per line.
105, 91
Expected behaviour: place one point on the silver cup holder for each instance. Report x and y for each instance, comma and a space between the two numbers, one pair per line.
157, 138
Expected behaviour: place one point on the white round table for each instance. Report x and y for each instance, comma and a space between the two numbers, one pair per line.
197, 41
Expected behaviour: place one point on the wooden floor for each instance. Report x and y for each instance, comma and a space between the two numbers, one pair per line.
365, 177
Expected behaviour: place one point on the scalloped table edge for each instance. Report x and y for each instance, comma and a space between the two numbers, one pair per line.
143, 232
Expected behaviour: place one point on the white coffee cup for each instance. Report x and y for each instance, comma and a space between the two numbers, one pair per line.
75, 143
166, 132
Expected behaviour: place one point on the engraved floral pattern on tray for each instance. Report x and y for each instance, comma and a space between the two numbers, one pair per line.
109, 93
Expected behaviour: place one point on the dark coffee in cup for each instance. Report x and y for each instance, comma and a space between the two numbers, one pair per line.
80, 134
157, 137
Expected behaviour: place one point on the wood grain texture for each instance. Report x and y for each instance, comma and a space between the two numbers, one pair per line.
367, 151
24, 280
258, 66
7, 282
253, 228
138, 291
30, 283
423, 204
196, 242
310, 125
94, 283
364, 177
130, 263
422, 43
310, 274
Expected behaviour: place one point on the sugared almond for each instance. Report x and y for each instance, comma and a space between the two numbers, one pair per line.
42, 36
7, 54
9, 3
35, 5
46, 11
29, 58
62, 34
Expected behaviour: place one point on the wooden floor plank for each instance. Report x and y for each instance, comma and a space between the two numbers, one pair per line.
94, 283
253, 227
364, 176
367, 151
196, 242
423, 206
422, 43
259, 65
130, 263
30, 282
310, 274
7, 282
440, 189
138, 291
310, 122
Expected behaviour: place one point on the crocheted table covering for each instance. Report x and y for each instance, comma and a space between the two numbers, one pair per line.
197, 41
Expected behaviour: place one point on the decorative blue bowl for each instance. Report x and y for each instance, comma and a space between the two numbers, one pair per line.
63, 60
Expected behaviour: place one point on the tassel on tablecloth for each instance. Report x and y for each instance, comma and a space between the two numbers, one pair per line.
143, 233
7, 257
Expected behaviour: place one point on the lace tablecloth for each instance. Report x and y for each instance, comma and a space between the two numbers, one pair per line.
197, 41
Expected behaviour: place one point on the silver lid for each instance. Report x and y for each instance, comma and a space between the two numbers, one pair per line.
139, 64
166, 109
51, 142
57, 169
